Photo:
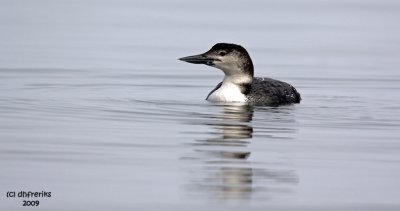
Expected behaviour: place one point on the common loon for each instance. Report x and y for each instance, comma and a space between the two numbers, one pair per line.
239, 84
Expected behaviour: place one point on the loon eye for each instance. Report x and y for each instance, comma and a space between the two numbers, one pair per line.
222, 53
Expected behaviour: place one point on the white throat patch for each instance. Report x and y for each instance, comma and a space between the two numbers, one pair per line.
228, 92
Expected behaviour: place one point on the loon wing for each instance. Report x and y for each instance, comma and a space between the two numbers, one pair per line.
268, 91
217, 87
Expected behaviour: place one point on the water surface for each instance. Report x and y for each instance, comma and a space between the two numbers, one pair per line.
96, 108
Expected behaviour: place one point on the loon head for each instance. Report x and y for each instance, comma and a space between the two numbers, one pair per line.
232, 59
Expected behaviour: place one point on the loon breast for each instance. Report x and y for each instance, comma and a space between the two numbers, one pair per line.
226, 92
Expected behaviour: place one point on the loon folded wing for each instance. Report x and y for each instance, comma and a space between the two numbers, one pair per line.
268, 91
217, 87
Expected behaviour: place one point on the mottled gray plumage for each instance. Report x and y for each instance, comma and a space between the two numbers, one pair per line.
269, 92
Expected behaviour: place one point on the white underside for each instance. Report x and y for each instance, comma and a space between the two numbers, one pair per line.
228, 92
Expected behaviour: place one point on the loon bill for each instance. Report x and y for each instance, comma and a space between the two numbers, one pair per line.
239, 83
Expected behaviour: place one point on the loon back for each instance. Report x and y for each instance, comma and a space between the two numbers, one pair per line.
268, 92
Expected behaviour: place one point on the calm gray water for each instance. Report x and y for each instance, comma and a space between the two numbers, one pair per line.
96, 109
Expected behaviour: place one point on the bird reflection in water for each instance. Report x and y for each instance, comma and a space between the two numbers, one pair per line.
226, 171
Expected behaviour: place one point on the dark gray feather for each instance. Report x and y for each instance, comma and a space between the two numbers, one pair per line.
217, 87
268, 91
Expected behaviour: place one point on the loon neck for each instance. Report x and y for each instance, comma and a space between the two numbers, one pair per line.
243, 82
238, 79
